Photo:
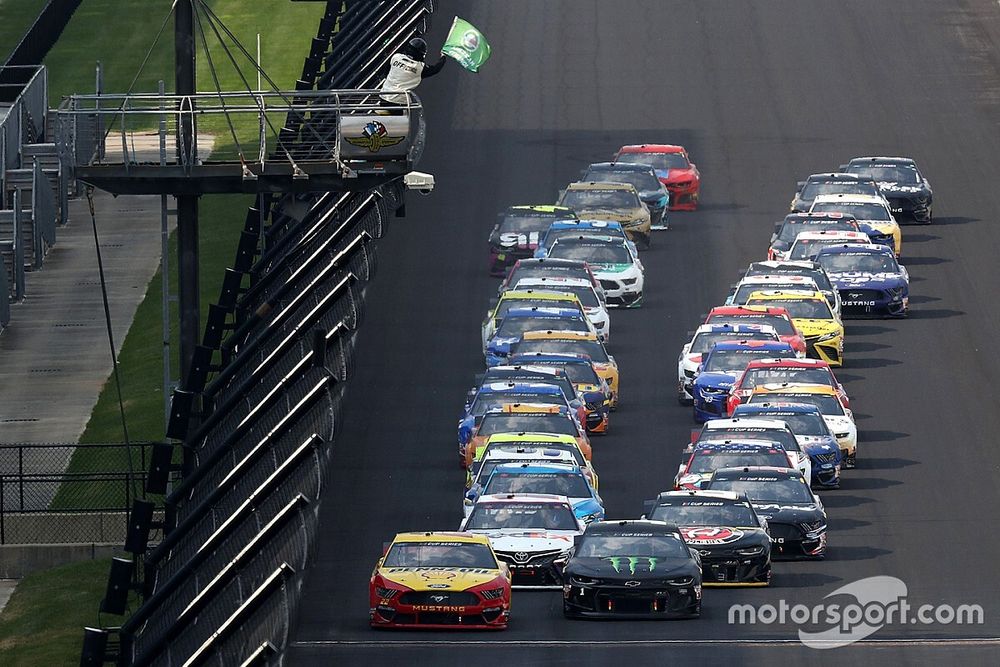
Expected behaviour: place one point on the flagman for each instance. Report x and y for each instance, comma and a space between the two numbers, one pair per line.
407, 70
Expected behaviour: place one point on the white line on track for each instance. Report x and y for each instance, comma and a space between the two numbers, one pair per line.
872, 643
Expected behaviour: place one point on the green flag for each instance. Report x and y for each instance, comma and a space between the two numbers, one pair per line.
466, 45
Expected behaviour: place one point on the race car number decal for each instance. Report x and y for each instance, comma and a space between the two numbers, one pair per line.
516, 239
711, 535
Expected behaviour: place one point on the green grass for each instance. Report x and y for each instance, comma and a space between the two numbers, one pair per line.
16, 16
44, 620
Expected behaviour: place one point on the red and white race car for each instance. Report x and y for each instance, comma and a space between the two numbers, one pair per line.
767, 371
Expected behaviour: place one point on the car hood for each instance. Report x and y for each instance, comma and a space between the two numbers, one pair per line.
652, 196
498, 344
631, 567
839, 423
868, 280
891, 187
810, 328
529, 540
715, 379
674, 175
615, 269
614, 214
788, 512
709, 537
513, 241
817, 444
438, 578
881, 226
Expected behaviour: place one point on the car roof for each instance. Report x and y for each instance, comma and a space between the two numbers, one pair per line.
787, 294
622, 165
776, 278
586, 223
554, 209
771, 345
523, 368
896, 161
850, 198
652, 148
560, 335
522, 387
787, 407
738, 328
437, 536
542, 312
544, 295
590, 238
530, 437
866, 248
561, 357
724, 424
732, 311
765, 472
706, 494
525, 408
555, 282
794, 388
804, 362
818, 215
600, 185
615, 526
830, 234
792, 263
540, 467
535, 498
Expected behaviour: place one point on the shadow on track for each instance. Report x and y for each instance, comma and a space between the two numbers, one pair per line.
856, 553
803, 580
866, 329
866, 484
867, 436
934, 313
885, 464
835, 500
873, 363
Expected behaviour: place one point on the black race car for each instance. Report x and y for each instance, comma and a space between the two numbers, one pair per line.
830, 184
632, 569
795, 516
908, 192
651, 191
517, 232
733, 542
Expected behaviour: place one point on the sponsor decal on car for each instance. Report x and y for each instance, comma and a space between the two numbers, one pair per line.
711, 535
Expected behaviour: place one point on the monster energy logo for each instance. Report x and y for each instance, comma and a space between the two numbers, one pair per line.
618, 561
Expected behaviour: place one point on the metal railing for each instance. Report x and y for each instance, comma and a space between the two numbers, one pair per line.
27, 114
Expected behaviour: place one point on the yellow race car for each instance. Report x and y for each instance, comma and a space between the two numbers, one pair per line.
443, 579
618, 202
574, 342
524, 417
814, 319
527, 299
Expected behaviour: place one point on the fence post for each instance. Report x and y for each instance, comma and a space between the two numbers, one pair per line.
3, 510
20, 476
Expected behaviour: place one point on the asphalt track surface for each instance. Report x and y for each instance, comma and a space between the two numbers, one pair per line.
762, 93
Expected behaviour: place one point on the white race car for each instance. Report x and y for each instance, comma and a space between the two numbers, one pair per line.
774, 430
702, 342
807, 244
779, 281
593, 305
615, 264
872, 212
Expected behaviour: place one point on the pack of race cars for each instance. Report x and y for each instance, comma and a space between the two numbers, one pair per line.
776, 425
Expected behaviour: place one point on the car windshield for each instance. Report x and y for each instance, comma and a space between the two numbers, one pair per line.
592, 348
548, 271
776, 437
800, 309
793, 228
746, 289
440, 554
523, 224
858, 262
514, 327
540, 516
732, 361
828, 404
819, 276
782, 326
704, 513
506, 304
578, 373
526, 423
801, 424
595, 253
888, 173
706, 340
657, 160
814, 189
587, 199
555, 234
632, 545
807, 248
708, 460
484, 469
861, 211
762, 489
643, 181
571, 485
585, 293
759, 376
485, 400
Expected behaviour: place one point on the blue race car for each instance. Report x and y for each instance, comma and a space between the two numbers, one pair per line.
517, 321
810, 429
721, 367
552, 478
499, 393
568, 228
588, 384
870, 281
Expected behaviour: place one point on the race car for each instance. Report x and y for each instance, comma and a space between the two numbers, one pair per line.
532, 533
652, 192
529, 447
673, 167
795, 516
810, 430
517, 232
571, 228
776, 371
615, 264
546, 267
526, 299
813, 317
807, 244
593, 306
550, 477
519, 320
632, 569
703, 340
838, 418
610, 201
872, 214
870, 280
513, 418
772, 432
444, 580
900, 182
570, 342
805, 268
710, 456
720, 367
500, 393
588, 384
777, 318
723, 527
779, 281
836, 183
796, 223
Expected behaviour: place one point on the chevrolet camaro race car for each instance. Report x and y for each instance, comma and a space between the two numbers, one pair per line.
517, 321
710, 456
569, 228
549, 477
908, 192
445, 580
772, 432
652, 192
497, 394
673, 167
525, 447
774, 317
870, 280
786, 231
808, 243
619, 202
806, 268
872, 214
514, 418
517, 232
593, 306
836, 183
721, 366
703, 340
516, 298
775, 371
779, 281
571, 342
616, 265
545, 267
589, 386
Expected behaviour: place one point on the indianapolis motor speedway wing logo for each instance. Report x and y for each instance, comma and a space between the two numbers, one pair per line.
374, 137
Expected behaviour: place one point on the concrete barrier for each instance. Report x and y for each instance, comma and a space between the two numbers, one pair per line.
18, 560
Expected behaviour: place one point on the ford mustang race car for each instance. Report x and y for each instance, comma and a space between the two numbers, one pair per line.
794, 224
555, 478
570, 342
595, 308
674, 169
588, 384
806, 268
720, 367
709, 457
807, 244
570, 228
616, 266
772, 432
522, 447
549, 268
870, 280
723, 527
532, 533
610, 201
836, 183
703, 340
838, 418
779, 281
776, 371
444, 580
652, 192
813, 434
526, 299
517, 232
513, 418
776, 318
900, 182
813, 317
517, 321
795, 516
632, 569
872, 214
